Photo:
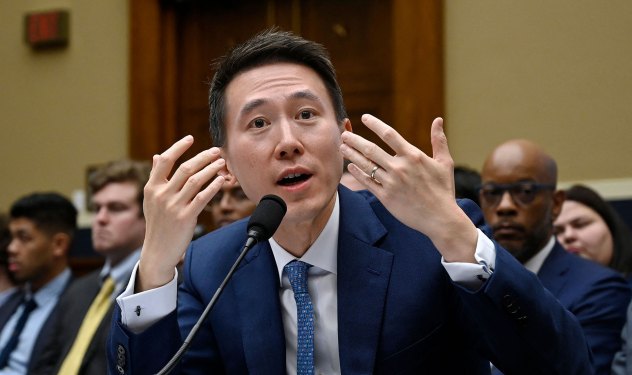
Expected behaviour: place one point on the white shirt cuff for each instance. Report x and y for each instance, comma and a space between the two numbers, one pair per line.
470, 275
139, 311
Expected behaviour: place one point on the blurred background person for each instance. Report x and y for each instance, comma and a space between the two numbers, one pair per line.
520, 203
230, 204
467, 181
118, 230
42, 228
590, 227
8, 287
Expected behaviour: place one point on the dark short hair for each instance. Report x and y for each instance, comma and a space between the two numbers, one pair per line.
621, 235
467, 182
136, 172
50, 212
267, 47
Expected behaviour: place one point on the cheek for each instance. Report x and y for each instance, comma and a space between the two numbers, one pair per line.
597, 237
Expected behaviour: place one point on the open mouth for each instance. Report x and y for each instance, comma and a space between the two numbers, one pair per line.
293, 179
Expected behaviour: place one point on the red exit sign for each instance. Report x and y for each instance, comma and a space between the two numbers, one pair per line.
47, 29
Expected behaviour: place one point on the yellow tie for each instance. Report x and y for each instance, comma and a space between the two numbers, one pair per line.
91, 321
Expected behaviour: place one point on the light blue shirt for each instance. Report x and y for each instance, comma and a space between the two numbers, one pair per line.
46, 299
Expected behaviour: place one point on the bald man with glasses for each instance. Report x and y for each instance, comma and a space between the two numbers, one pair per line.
520, 202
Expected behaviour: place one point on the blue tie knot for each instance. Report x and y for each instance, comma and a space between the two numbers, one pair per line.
297, 273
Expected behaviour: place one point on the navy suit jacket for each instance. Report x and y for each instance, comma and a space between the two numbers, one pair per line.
596, 295
398, 310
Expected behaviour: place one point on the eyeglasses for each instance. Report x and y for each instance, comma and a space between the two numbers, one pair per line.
521, 192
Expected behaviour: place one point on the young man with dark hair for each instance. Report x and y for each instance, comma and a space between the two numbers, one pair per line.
395, 279
42, 227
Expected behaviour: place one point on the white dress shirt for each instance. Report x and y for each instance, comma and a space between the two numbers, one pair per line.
322, 280
535, 263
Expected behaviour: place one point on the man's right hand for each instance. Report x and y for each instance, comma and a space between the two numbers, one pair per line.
172, 206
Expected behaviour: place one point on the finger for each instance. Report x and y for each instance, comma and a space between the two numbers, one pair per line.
194, 184
363, 153
439, 141
364, 178
193, 166
203, 198
390, 136
163, 163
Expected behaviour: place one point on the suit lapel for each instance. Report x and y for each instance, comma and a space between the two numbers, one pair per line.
363, 276
553, 270
256, 286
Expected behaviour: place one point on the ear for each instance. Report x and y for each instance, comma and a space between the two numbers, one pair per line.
558, 199
61, 244
346, 125
227, 172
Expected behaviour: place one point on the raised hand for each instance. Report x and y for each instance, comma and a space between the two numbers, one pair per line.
414, 187
172, 206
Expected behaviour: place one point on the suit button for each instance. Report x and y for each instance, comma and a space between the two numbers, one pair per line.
120, 370
120, 356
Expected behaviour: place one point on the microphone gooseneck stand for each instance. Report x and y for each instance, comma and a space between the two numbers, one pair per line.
262, 224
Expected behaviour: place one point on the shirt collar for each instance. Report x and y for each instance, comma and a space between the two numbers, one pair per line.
120, 273
322, 253
51, 290
535, 263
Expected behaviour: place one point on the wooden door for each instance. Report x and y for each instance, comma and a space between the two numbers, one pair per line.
387, 53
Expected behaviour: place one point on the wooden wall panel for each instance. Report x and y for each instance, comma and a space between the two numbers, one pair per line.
388, 55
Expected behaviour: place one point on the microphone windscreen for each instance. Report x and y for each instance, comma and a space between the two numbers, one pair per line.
267, 217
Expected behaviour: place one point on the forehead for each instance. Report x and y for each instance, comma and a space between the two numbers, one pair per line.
572, 209
116, 191
512, 164
278, 81
22, 224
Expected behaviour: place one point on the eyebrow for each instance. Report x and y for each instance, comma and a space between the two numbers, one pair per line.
302, 94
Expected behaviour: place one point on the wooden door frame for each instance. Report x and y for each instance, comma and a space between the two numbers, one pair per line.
418, 87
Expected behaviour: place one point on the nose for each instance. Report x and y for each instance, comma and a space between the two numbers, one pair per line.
13, 246
102, 215
226, 203
506, 206
567, 235
289, 145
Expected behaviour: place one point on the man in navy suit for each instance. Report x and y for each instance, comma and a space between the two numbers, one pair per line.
399, 278
520, 203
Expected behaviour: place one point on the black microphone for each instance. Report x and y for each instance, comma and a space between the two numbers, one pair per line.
262, 224
266, 219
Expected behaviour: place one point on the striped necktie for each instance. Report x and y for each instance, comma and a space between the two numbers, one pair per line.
99, 307
297, 273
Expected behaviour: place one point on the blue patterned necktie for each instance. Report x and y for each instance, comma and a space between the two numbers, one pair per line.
29, 305
297, 273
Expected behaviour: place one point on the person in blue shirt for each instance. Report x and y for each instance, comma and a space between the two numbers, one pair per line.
42, 227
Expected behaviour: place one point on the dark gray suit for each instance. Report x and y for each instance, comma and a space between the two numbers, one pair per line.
9, 306
75, 305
